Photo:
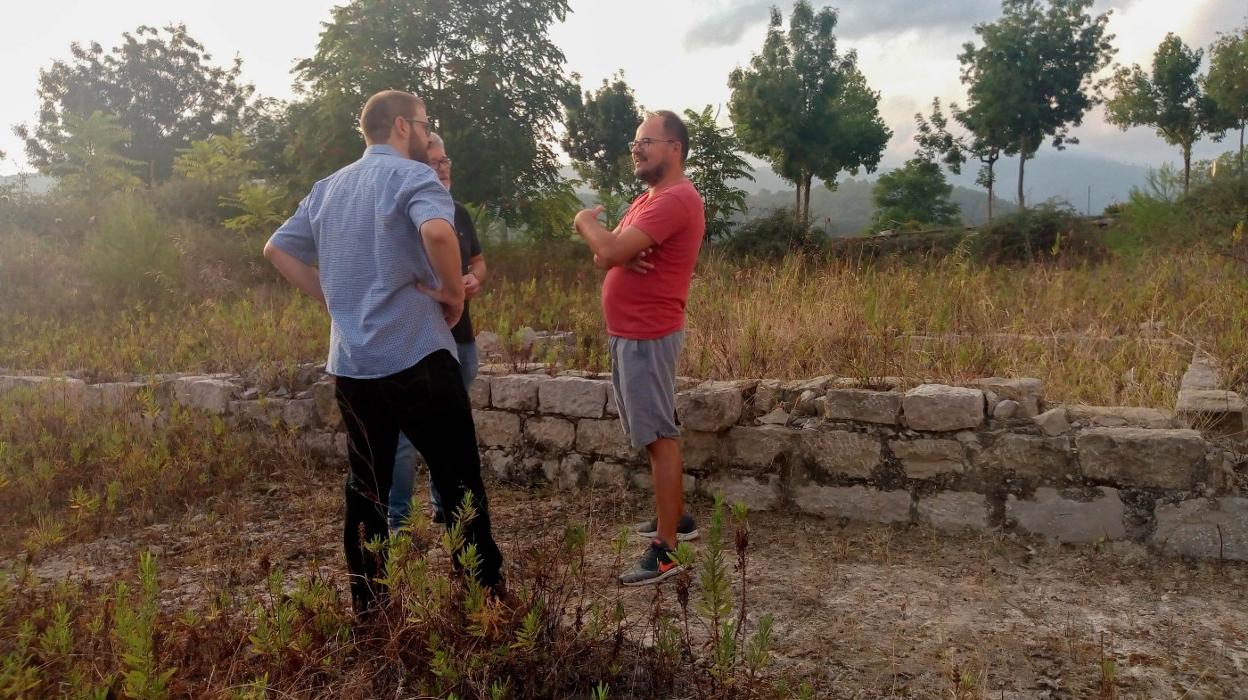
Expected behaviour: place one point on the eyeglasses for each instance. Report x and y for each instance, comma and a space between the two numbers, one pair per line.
645, 143
440, 162
412, 120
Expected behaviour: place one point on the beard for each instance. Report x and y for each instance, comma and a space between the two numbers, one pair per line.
650, 174
415, 149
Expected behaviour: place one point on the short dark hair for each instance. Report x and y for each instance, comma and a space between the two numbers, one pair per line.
377, 118
675, 128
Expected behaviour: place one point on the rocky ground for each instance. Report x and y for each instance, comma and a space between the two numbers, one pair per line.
863, 611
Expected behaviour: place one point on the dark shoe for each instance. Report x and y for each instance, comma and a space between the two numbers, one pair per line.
686, 529
654, 566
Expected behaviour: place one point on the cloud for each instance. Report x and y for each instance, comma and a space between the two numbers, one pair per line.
858, 18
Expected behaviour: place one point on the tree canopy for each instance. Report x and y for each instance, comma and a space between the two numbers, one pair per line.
806, 108
160, 84
714, 162
599, 128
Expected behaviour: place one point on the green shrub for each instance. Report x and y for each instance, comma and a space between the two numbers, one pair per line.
773, 236
129, 253
1049, 232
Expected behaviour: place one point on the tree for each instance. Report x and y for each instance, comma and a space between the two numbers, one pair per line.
1032, 79
161, 86
1227, 82
91, 164
981, 142
1172, 100
805, 108
220, 162
914, 193
599, 129
487, 69
714, 161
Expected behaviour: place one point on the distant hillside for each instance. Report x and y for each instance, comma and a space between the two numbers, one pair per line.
849, 210
1066, 176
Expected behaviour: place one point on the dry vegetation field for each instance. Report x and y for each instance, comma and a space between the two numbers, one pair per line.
242, 596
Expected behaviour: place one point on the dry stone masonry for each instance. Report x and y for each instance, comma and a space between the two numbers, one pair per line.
991, 454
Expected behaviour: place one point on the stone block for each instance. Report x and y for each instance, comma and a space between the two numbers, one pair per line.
573, 396
258, 413
757, 493
1202, 374
954, 510
711, 407
497, 428
1053, 422
862, 405
612, 409
516, 392
940, 408
1163, 459
609, 475
68, 388
759, 448
1211, 409
605, 438
327, 404
1085, 517
642, 481
550, 433
1030, 456
479, 391
112, 396
1027, 392
1123, 416
211, 395
567, 473
300, 414
499, 463
854, 502
840, 452
322, 445
926, 459
767, 396
699, 450
1204, 528
1006, 409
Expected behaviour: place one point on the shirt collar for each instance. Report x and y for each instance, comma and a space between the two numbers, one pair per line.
384, 149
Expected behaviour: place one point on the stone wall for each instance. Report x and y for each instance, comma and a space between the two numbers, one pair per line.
984, 456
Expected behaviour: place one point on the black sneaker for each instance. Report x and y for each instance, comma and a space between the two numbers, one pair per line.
654, 566
686, 529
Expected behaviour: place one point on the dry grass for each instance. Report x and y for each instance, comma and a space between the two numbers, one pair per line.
949, 320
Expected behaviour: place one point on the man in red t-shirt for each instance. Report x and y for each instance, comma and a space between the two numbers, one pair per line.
649, 260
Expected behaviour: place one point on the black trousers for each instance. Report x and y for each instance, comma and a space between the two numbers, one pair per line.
429, 404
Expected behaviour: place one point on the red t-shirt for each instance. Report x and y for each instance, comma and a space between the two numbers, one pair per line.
649, 306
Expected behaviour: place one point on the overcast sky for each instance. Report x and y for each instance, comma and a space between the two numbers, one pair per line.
675, 53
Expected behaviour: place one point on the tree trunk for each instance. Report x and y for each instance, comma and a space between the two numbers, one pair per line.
1242, 124
797, 208
992, 181
806, 204
1187, 166
1022, 164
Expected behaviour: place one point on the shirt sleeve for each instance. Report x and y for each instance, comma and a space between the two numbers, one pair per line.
296, 237
663, 218
426, 198
464, 225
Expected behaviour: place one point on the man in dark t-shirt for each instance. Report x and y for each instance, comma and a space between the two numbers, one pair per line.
465, 341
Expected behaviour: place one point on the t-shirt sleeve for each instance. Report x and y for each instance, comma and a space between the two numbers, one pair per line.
296, 237
426, 199
465, 226
665, 216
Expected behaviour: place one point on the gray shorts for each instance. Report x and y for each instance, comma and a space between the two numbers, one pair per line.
643, 373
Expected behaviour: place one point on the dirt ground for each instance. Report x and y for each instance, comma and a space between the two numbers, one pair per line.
862, 611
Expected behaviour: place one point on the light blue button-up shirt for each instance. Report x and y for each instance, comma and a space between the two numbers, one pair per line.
361, 227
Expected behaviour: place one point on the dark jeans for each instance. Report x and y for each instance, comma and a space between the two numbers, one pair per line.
428, 404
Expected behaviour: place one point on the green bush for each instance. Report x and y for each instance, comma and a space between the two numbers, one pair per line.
1045, 233
773, 236
128, 253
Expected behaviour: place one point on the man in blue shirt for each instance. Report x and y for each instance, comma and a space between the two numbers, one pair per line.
355, 245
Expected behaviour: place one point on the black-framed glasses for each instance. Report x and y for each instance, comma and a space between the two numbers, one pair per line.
440, 162
645, 143
426, 124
